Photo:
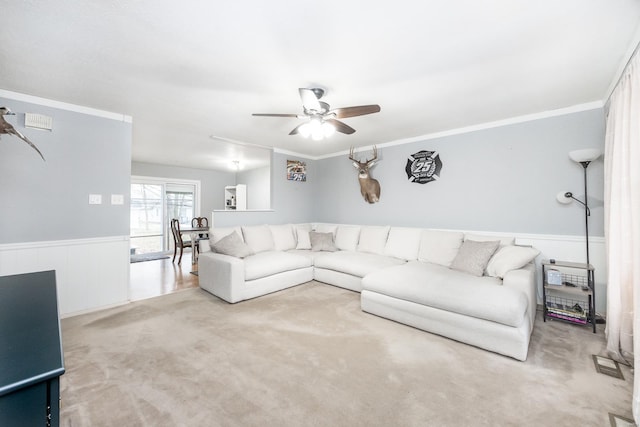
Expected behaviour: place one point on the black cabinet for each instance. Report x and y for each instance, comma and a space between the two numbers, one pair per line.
31, 358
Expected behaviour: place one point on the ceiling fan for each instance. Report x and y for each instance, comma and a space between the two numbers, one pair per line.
322, 121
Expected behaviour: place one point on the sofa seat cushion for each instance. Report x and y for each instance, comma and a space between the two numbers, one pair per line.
268, 263
440, 287
308, 253
355, 263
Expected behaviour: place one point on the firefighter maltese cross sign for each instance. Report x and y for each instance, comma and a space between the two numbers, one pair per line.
423, 167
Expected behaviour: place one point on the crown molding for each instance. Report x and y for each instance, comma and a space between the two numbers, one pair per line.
489, 125
65, 106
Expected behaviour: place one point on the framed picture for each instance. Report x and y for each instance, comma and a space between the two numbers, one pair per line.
296, 170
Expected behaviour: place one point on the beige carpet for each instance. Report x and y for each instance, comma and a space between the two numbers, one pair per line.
308, 356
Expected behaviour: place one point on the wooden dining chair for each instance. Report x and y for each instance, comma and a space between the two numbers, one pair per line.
178, 241
201, 221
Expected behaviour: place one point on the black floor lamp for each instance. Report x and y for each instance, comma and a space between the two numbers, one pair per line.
584, 157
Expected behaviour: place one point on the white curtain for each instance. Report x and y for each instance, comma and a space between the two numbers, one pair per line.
622, 222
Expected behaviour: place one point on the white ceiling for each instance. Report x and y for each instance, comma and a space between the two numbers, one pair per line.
191, 69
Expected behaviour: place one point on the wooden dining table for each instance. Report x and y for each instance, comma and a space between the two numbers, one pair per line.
193, 233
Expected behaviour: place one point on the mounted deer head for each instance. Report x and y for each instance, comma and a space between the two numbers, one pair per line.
369, 187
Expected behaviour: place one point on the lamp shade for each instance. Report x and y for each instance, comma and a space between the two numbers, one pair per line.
585, 155
562, 198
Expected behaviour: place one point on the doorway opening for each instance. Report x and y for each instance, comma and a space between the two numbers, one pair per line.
154, 202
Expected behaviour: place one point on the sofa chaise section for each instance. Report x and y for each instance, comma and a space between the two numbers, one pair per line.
486, 312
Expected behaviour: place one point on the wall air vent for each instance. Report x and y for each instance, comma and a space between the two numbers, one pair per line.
38, 121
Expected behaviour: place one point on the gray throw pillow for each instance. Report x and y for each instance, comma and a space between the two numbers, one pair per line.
473, 256
322, 241
232, 245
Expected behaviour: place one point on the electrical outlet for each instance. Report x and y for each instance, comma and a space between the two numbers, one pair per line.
95, 199
117, 199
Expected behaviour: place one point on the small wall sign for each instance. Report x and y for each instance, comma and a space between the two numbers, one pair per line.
296, 170
423, 166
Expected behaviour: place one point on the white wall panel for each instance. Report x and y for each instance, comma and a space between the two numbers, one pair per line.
91, 273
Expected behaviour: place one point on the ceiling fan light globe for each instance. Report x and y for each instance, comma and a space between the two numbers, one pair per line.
314, 125
305, 130
315, 129
328, 129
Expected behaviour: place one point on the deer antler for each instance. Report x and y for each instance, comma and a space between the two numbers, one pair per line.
375, 155
351, 152
367, 161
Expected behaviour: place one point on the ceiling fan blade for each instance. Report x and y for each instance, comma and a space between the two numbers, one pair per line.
309, 100
274, 115
361, 110
296, 129
341, 127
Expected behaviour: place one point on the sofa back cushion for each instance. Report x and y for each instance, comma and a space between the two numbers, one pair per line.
504, 241
347, 237
218, 233
259, 238
284, 237
403, 243
326, 228
302, 236
439, 247
373, 239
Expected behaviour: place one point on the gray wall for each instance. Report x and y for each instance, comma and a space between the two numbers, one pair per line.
500, 179
85, 154
291, 201
212, 183
258, 184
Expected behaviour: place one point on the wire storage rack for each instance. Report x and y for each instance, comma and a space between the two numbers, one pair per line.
568, 292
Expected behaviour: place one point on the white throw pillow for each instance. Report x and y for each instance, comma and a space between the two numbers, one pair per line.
373, 239
347, 237
504, 241
302, 234
259, 238
509, 258
473, 256
439, 247
403, 243
283, 237
218, 233
322, 241
232, 245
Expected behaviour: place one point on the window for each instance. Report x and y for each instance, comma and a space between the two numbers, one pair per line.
154, 202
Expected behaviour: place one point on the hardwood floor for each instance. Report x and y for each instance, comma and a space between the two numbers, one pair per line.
153, 278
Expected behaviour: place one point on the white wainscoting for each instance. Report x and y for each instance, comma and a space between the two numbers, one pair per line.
565, 248
94, 273
91, 274
571, 248
561, 248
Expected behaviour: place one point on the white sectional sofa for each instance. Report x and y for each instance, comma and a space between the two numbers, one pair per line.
479, 290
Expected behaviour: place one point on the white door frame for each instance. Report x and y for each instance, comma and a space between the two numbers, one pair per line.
140, 179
